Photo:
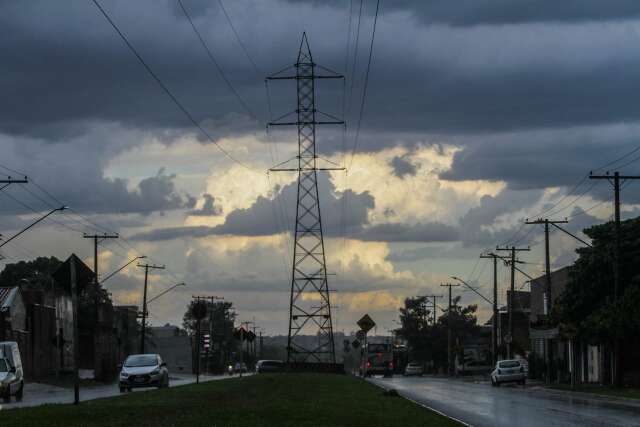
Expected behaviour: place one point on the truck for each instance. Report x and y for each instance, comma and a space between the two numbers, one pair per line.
377, 360
11, 373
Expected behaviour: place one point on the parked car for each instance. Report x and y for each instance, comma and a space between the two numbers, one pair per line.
11, 373
413, 368
507, 371
143, 370
264, 366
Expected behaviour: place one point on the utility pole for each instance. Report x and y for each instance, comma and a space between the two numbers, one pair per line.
97, 238
615, 181
548, 299
513, 251
494, 323
8, 181
433, 305
449, 337
309, 271
144, 300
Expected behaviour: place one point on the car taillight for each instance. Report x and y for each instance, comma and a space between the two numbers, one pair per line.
390, 365
368, 364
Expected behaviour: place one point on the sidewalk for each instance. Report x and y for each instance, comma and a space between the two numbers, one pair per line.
578, 394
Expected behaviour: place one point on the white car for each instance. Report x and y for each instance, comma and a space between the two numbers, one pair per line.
143, 370
508, 371
413, 368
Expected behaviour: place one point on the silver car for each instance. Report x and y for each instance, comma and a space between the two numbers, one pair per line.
413, 368
143, 370
508, 371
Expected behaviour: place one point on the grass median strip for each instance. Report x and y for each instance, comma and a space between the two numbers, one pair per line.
259, 400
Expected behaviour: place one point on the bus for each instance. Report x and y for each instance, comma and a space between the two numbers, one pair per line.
378, 359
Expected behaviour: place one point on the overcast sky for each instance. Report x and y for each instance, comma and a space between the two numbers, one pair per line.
478, 114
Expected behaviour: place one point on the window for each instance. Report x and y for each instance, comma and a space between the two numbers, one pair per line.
509, 364
141, 360
4, 366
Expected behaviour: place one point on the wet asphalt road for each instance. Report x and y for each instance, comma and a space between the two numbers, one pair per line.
41, 394
479, 404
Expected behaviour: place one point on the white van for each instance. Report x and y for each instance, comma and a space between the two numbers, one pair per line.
11, 373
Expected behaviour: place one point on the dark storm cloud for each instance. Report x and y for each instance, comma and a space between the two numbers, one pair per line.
209, 208
479, 12
402, 166
111, 195
266, 217
549, 158
422, 232
63, 64
474, 225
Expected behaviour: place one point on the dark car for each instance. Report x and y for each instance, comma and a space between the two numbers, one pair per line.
269, 366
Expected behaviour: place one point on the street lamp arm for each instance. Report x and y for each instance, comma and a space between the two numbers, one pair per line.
32, 224
121, 268
473, 289
162, 293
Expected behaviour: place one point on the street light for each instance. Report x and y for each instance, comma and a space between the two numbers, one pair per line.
32, 224
121, 268
472, 288
168, 290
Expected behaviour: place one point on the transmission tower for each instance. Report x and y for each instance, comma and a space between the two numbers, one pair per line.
309, 306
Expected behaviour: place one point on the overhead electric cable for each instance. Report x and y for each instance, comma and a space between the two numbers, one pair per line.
166, 89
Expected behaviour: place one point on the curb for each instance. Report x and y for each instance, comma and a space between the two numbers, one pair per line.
623, 401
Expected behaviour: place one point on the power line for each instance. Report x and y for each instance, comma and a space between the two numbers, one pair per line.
166, 89
366, 83
242, 45
215, 62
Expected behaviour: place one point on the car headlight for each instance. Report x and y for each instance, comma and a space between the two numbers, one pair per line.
124, 374
155, 371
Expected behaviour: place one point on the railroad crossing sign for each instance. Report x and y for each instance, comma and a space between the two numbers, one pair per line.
366, 323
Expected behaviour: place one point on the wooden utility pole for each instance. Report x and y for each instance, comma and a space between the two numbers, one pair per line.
513, 251
144, 301
547, 299
449, 337
96, 239
76, 335
433, 304
615, 180
494, 323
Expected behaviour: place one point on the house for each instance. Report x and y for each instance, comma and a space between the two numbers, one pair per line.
557, 357
13, 313
174, 346
519, 343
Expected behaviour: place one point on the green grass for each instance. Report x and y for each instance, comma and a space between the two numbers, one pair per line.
630, 393
261, 400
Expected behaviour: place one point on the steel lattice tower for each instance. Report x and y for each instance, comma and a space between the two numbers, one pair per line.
310, 306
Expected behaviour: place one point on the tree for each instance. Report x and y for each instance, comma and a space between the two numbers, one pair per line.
587, 308
428, 341
36, 274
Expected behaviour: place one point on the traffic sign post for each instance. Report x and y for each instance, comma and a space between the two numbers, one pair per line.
365, 323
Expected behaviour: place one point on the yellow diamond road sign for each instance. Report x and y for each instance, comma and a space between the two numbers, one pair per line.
366, 323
